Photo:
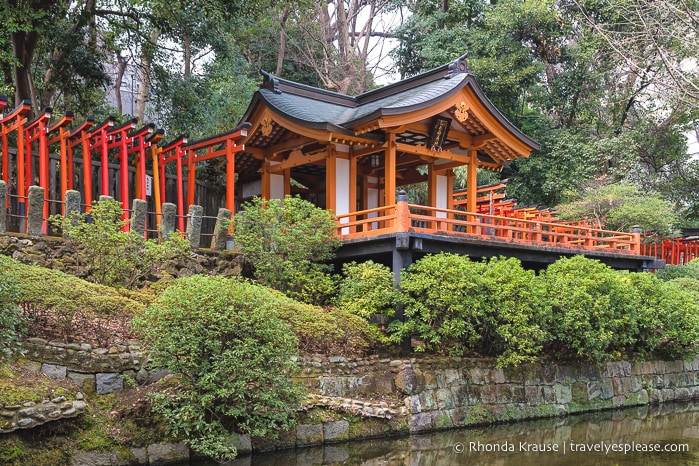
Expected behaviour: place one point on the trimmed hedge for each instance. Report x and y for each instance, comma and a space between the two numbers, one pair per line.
69, 302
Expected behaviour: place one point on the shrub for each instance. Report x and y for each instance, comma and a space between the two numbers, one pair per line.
688, 270
232, 353
593, 308
455, 305
667, 319
286, 240
57, 302
114, 257
367, 289
11, 321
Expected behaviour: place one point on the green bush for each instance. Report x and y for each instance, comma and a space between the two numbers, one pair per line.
112, 256
667, 318
688, 270
12, 323
457, 306
287, 242
56, 300
232, 353
688, 284
593, 309
367, 289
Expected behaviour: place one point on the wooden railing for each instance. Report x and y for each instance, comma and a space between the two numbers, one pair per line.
676, 251
404, 217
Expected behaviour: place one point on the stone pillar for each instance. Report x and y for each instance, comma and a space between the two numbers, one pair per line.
167, 222
218, 240
105, 198
194, 217
35, 211
72, 201
138, 220
3, 208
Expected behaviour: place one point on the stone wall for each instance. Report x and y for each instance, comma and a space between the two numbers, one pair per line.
359, 398
439, 393
94, 370
55, 253
30, 414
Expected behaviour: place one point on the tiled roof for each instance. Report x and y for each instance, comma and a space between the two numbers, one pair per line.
319, 108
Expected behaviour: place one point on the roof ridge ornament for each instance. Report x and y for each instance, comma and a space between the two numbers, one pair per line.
458, 66
270, 82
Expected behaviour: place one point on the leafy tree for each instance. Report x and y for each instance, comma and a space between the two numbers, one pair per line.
287, 241
112, 256
232, 355
459, 306
620, 206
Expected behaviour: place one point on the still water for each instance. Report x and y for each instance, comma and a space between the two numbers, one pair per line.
666, 435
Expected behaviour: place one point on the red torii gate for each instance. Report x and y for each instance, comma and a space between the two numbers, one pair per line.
60, 136
37, 130
119, 138
80, 137
173, 151
14, 121
137, 145
223, 145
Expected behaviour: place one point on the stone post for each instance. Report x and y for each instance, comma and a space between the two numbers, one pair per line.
3, 208
35, 211
218, 240
194, 216
72, 211
138, 220
105, 198
167, 223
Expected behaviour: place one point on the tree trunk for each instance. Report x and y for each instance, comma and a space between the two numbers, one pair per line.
282, 41
144, 75
121, 69
23, 47
187, 45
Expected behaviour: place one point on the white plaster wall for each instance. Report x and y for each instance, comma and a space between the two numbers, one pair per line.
442, 193
342, 190
342, 186
276, 186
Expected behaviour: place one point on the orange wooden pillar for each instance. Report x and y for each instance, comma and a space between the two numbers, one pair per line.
390, 170
352, 188
37, 131
472, 187
331, 178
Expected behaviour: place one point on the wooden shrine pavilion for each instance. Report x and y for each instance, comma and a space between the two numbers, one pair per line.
351, 154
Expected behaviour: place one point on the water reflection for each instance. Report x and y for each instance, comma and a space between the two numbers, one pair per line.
667, 435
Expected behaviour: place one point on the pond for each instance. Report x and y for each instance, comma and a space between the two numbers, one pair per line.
665, 435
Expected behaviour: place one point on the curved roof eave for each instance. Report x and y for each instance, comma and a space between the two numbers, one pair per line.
259, 98
502, 119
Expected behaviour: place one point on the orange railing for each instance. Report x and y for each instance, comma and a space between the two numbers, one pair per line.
403, 217
675, 251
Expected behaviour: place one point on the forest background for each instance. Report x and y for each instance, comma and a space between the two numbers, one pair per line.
608, 87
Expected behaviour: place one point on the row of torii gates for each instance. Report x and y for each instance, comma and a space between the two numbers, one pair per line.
124, 142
